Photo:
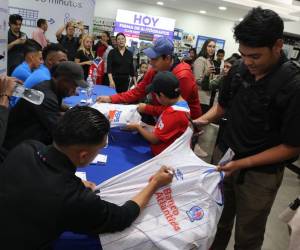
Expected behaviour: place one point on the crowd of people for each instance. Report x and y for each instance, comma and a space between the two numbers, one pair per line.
255, 95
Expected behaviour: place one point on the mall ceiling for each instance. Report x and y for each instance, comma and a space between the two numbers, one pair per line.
234, 9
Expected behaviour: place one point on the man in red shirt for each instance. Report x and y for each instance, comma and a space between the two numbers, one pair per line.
162, 59
173, 121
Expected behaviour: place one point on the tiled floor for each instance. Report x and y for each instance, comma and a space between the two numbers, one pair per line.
276, 236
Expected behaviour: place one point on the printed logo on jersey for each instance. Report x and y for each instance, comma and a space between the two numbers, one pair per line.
114, 115
195, 213
160, 124
168, 207
178, 175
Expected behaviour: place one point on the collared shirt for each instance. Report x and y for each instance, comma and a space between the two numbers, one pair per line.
71, 45
39, 75
15, 55
40, 197
29, 121
22, 72
118, 64
254, 122
39, 36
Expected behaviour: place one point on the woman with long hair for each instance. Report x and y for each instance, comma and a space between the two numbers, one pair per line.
120, 65
203, 65
203, 69
85, 54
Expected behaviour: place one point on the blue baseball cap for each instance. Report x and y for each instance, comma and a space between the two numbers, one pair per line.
161, 46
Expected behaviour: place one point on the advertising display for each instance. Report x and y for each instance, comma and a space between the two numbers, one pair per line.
135, 25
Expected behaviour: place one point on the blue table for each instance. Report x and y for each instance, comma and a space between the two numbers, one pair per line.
125, 150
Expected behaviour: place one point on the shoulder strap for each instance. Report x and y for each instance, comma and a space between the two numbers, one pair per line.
285, 73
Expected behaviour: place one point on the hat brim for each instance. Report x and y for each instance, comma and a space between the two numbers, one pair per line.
81, 83
150, 53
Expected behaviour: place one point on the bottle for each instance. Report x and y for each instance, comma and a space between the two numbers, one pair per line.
89, 90
34, 96
95, 76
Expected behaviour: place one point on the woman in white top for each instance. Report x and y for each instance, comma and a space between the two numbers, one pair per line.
203, 65
204, 71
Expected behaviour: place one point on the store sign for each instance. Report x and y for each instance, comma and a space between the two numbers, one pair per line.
57, 13
133, 23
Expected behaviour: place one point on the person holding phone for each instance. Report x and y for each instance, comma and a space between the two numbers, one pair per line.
69, 41
16, 40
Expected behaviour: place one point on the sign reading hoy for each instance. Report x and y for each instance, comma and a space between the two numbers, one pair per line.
145, 20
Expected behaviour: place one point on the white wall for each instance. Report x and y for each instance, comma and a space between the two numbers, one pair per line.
191, 23
292, 27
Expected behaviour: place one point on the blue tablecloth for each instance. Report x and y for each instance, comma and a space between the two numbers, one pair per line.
125, 150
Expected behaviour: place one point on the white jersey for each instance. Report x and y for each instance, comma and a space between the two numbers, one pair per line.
182, 215
119, 115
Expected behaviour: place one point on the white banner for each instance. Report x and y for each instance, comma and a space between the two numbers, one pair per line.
3, 35
57, 12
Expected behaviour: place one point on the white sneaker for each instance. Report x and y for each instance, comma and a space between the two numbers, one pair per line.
199, 151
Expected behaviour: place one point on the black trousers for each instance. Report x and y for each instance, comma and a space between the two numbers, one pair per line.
122, 83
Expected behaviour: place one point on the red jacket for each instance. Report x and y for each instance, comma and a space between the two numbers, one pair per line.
188, 88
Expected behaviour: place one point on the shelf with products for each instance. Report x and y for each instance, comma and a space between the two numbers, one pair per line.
291, 46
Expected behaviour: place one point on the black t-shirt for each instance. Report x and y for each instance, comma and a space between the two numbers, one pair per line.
83, 58
15, 55
255, 120
119, 65
41, 197
29, 121
71, 45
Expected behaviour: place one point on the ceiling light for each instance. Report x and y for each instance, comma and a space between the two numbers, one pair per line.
222, 8
241, 19
160, 3
202, 11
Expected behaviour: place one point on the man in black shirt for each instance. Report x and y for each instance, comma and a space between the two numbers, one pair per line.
261, 98
29, 121
69, 41
16, 40
40, 196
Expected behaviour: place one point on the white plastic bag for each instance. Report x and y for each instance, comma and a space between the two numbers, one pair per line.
181, 216
119, 115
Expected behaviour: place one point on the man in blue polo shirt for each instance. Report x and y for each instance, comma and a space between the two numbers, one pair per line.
53, 54
33, 60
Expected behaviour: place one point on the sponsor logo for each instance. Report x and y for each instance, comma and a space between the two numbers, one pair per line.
168, 207
114, 115
195, 213
178, 175
160, 125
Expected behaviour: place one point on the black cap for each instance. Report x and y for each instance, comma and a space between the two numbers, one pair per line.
165, 82
71, 70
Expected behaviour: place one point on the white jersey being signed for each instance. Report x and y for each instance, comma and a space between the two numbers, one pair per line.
183, 215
